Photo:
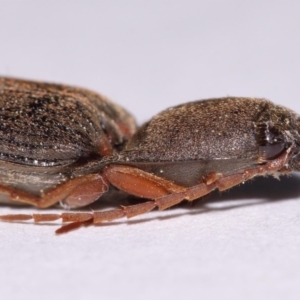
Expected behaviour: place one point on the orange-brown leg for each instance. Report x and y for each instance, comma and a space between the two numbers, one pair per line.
139, 183
172, 194
163, 193
76, 192
163, 200
131, 180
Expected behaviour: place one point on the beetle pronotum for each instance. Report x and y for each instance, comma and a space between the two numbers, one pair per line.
61, 144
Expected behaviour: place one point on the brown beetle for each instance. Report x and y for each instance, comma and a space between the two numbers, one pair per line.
182, 153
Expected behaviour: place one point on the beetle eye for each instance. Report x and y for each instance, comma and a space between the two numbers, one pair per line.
271, 141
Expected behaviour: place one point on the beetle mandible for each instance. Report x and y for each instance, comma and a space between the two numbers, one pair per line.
65, 144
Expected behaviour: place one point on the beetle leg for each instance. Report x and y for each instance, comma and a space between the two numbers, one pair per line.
79, 191
222, 182
166, 194
163, 193
98, 217
79, 219
140, 183
130, 211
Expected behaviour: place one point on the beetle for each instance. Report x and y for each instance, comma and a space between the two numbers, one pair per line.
182, 153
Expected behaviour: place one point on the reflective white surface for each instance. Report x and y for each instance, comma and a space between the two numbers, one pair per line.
147, 56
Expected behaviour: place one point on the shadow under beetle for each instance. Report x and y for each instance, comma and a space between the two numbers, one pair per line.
67, 145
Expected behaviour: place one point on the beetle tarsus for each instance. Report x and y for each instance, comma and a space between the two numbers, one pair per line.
15, 217
45, 217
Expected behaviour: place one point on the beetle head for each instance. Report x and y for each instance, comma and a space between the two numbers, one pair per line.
278, 130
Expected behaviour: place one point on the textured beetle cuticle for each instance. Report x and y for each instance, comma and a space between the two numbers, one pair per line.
67, 145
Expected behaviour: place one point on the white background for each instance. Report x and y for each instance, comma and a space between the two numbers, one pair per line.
147, 56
